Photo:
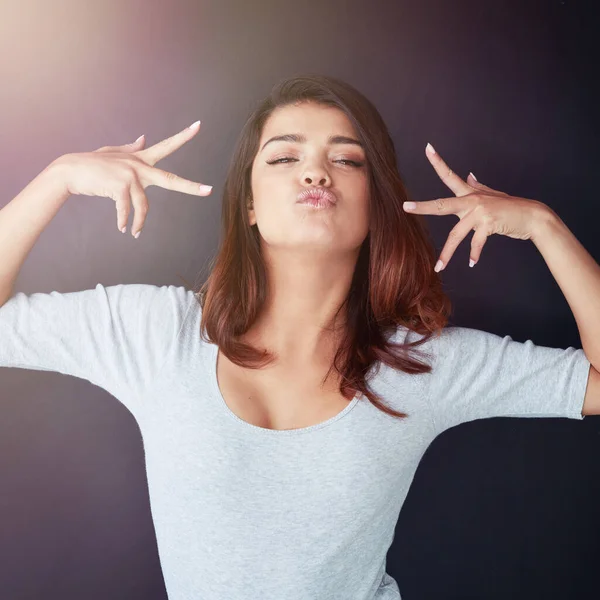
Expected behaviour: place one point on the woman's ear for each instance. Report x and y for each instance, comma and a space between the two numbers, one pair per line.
251, 215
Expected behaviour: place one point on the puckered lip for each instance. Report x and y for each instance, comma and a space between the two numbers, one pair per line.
317, 193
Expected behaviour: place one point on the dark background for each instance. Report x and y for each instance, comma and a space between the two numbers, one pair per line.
499, 508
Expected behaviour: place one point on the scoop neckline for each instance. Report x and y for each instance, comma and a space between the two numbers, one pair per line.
214, 353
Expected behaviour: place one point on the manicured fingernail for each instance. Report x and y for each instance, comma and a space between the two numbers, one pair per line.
141, 136
195, 125
471, 262
409, 205
137, 235
206, 188
430, 148
439, 265
473, 176
124, 229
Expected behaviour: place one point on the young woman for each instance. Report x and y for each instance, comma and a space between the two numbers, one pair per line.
282, 411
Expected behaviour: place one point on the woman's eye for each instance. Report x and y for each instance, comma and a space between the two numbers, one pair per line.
278, 160
354, 163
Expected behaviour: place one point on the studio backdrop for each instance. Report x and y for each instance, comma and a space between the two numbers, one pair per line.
499, 508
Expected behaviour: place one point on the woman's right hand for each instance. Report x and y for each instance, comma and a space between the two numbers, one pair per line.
123, 172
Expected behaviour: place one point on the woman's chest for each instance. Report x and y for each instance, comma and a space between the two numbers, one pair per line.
280, 398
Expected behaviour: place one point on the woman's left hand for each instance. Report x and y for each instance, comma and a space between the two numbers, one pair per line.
478, 207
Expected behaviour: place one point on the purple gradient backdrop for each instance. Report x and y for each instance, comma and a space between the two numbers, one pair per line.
499, 88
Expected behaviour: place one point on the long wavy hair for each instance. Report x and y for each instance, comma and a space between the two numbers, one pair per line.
393, 285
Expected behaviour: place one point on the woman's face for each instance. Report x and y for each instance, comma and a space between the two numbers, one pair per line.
284, 223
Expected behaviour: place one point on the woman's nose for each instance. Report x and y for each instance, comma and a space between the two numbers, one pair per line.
322, 181
315, 173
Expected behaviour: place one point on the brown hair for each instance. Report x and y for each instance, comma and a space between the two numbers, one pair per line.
393, 285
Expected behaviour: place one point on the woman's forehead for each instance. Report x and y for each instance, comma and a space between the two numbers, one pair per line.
306, 118
305, 124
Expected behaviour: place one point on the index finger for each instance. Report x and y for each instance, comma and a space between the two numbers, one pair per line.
170, 181
449, 177
157, 152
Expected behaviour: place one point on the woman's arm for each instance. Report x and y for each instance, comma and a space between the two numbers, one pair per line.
22, 221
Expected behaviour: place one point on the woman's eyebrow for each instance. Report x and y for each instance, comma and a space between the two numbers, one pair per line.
300, 138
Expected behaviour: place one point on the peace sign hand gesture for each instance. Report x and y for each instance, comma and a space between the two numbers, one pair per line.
123, 172
478, 207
